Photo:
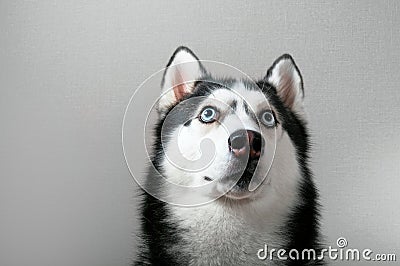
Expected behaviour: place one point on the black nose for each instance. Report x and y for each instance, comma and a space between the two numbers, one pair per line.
242, 142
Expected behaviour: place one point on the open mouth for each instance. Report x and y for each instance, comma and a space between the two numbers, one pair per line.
235, 183
245, 149
240, 189
233, 186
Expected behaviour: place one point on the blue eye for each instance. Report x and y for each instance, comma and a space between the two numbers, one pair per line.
208, 115
268, 119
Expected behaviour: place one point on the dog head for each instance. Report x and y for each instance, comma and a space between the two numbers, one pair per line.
239, 138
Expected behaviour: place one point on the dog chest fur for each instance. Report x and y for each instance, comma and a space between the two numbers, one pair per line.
217, 235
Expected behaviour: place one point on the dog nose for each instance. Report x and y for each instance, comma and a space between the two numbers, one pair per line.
242, 141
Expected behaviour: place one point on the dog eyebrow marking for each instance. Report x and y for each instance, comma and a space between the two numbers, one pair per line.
248, 111
233, 105
246, 108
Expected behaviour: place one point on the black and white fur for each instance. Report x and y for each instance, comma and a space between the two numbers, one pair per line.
282, 212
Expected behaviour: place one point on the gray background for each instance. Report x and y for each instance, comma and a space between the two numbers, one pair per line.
68, 69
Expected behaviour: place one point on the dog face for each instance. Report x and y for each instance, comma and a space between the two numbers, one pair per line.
233, 137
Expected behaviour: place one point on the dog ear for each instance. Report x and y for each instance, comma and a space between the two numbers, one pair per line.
285, 76
180, 76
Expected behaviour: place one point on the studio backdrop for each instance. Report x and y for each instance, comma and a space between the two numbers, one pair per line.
69, 69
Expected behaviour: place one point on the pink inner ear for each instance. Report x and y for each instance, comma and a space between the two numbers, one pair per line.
179, 91
180, 88
287, 92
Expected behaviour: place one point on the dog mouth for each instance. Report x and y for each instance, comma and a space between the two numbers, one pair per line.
236, 185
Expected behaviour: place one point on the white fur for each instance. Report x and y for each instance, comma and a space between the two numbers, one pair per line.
226, 231
230, 233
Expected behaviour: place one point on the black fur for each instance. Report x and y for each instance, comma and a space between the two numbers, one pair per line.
159, 233
303, 224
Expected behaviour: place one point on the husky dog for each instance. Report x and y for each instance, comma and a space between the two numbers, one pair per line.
260, 140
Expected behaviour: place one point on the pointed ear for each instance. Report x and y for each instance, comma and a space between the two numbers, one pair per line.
286, 78
180, 76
